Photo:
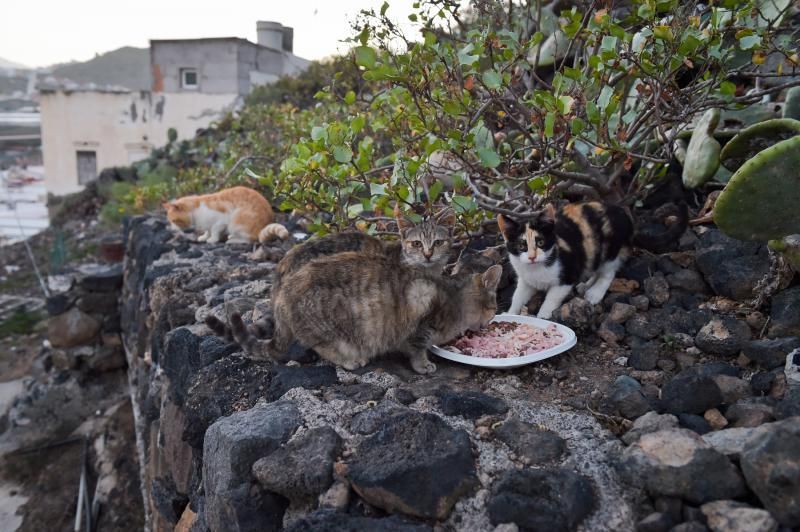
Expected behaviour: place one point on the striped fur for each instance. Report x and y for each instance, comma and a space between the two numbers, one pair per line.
352, 307
581, 242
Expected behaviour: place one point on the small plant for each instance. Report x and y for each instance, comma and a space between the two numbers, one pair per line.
21, 321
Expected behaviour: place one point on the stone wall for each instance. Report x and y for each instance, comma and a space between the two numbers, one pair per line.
651, 422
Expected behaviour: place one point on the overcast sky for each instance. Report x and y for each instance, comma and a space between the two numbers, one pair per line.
40, 33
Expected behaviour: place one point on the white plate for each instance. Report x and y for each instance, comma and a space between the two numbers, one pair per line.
514, 362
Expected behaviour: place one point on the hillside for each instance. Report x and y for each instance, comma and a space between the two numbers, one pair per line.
5, 63
126, 66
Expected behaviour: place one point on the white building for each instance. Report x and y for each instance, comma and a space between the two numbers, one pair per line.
86, 128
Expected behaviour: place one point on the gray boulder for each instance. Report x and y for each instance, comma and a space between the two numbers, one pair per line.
723, 336
770, 353
771, 465
678, 463
232, 444
732, 516
529, 442
72, 328
785, 315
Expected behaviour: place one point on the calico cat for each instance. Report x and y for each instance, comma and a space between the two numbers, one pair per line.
581, 242
352, 307
241, 213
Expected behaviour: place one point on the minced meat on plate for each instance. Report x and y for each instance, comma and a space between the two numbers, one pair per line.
505, 339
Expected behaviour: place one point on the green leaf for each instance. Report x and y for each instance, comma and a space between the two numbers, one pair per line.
434, 190
549, 124
727, 88
355, 210
488, 157
605, 97
577, 126
592, 113
537, 184
350, 98
689, 44
464, 204
319, 132
492, 79
366, 56
358, 123
608, 43
465, 57
363, 37
749, 42
384, 7
342, 154
377, 189
664, 33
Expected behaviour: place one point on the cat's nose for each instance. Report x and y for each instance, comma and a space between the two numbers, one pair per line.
532, 256
427, 254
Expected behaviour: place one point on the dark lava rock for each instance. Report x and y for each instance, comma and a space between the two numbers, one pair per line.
103, 279
611, 332
638, 268
642, 326
678, 463
655, 522
689, 526
694, 423
761, 382
771, 465
167, 500
180, 360
59, 303
785, 313
357, 392
644, 357
625, 398
72, 328
689, 280
303, 468
731, 267
723, 336
377, 418
332, 521
213, 348
712, 369
657, 289
679, 321
576, 313
671, 506
691, 393
229, 384
621, 312
416, 465
232, 444
541, 499
650, 422
300, 353
532, 444
770, 353
470, 405
309, 377
103, 303
789, 406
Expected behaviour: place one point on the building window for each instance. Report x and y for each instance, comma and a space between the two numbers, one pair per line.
87, 166
189, 78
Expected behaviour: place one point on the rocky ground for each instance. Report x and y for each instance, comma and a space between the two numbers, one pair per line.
676, 411
63, 386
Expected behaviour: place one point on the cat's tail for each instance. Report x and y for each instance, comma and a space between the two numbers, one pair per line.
273, 231
667, 225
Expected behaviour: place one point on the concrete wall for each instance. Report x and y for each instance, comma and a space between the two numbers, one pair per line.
120, 127
216, 61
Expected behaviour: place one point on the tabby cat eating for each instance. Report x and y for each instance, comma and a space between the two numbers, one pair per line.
352, 307
581, 242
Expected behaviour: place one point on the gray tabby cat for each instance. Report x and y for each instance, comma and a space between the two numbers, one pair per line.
425, 245
352, 307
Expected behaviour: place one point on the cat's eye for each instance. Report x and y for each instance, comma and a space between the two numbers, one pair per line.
416, 244
540, 242
438, 242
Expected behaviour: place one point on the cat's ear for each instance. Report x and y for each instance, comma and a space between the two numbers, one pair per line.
506, 225
446, 217
548, 214
167, 205
491, 277
403, 223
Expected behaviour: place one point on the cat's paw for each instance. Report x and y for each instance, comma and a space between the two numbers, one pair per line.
203, 237
594, 296
213, 240
544, 314
425, 367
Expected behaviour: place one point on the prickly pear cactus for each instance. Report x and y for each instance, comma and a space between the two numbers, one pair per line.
755, 139
761, 200
791, 107
702, 155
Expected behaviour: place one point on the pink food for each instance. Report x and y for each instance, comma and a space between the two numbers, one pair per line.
507, 340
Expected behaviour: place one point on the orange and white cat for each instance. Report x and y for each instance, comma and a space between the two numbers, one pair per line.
240, 213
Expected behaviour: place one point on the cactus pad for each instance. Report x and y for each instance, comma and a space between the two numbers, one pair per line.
791, 108
702, 155
756, 138
760, 201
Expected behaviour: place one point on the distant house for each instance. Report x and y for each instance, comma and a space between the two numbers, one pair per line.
87, 127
